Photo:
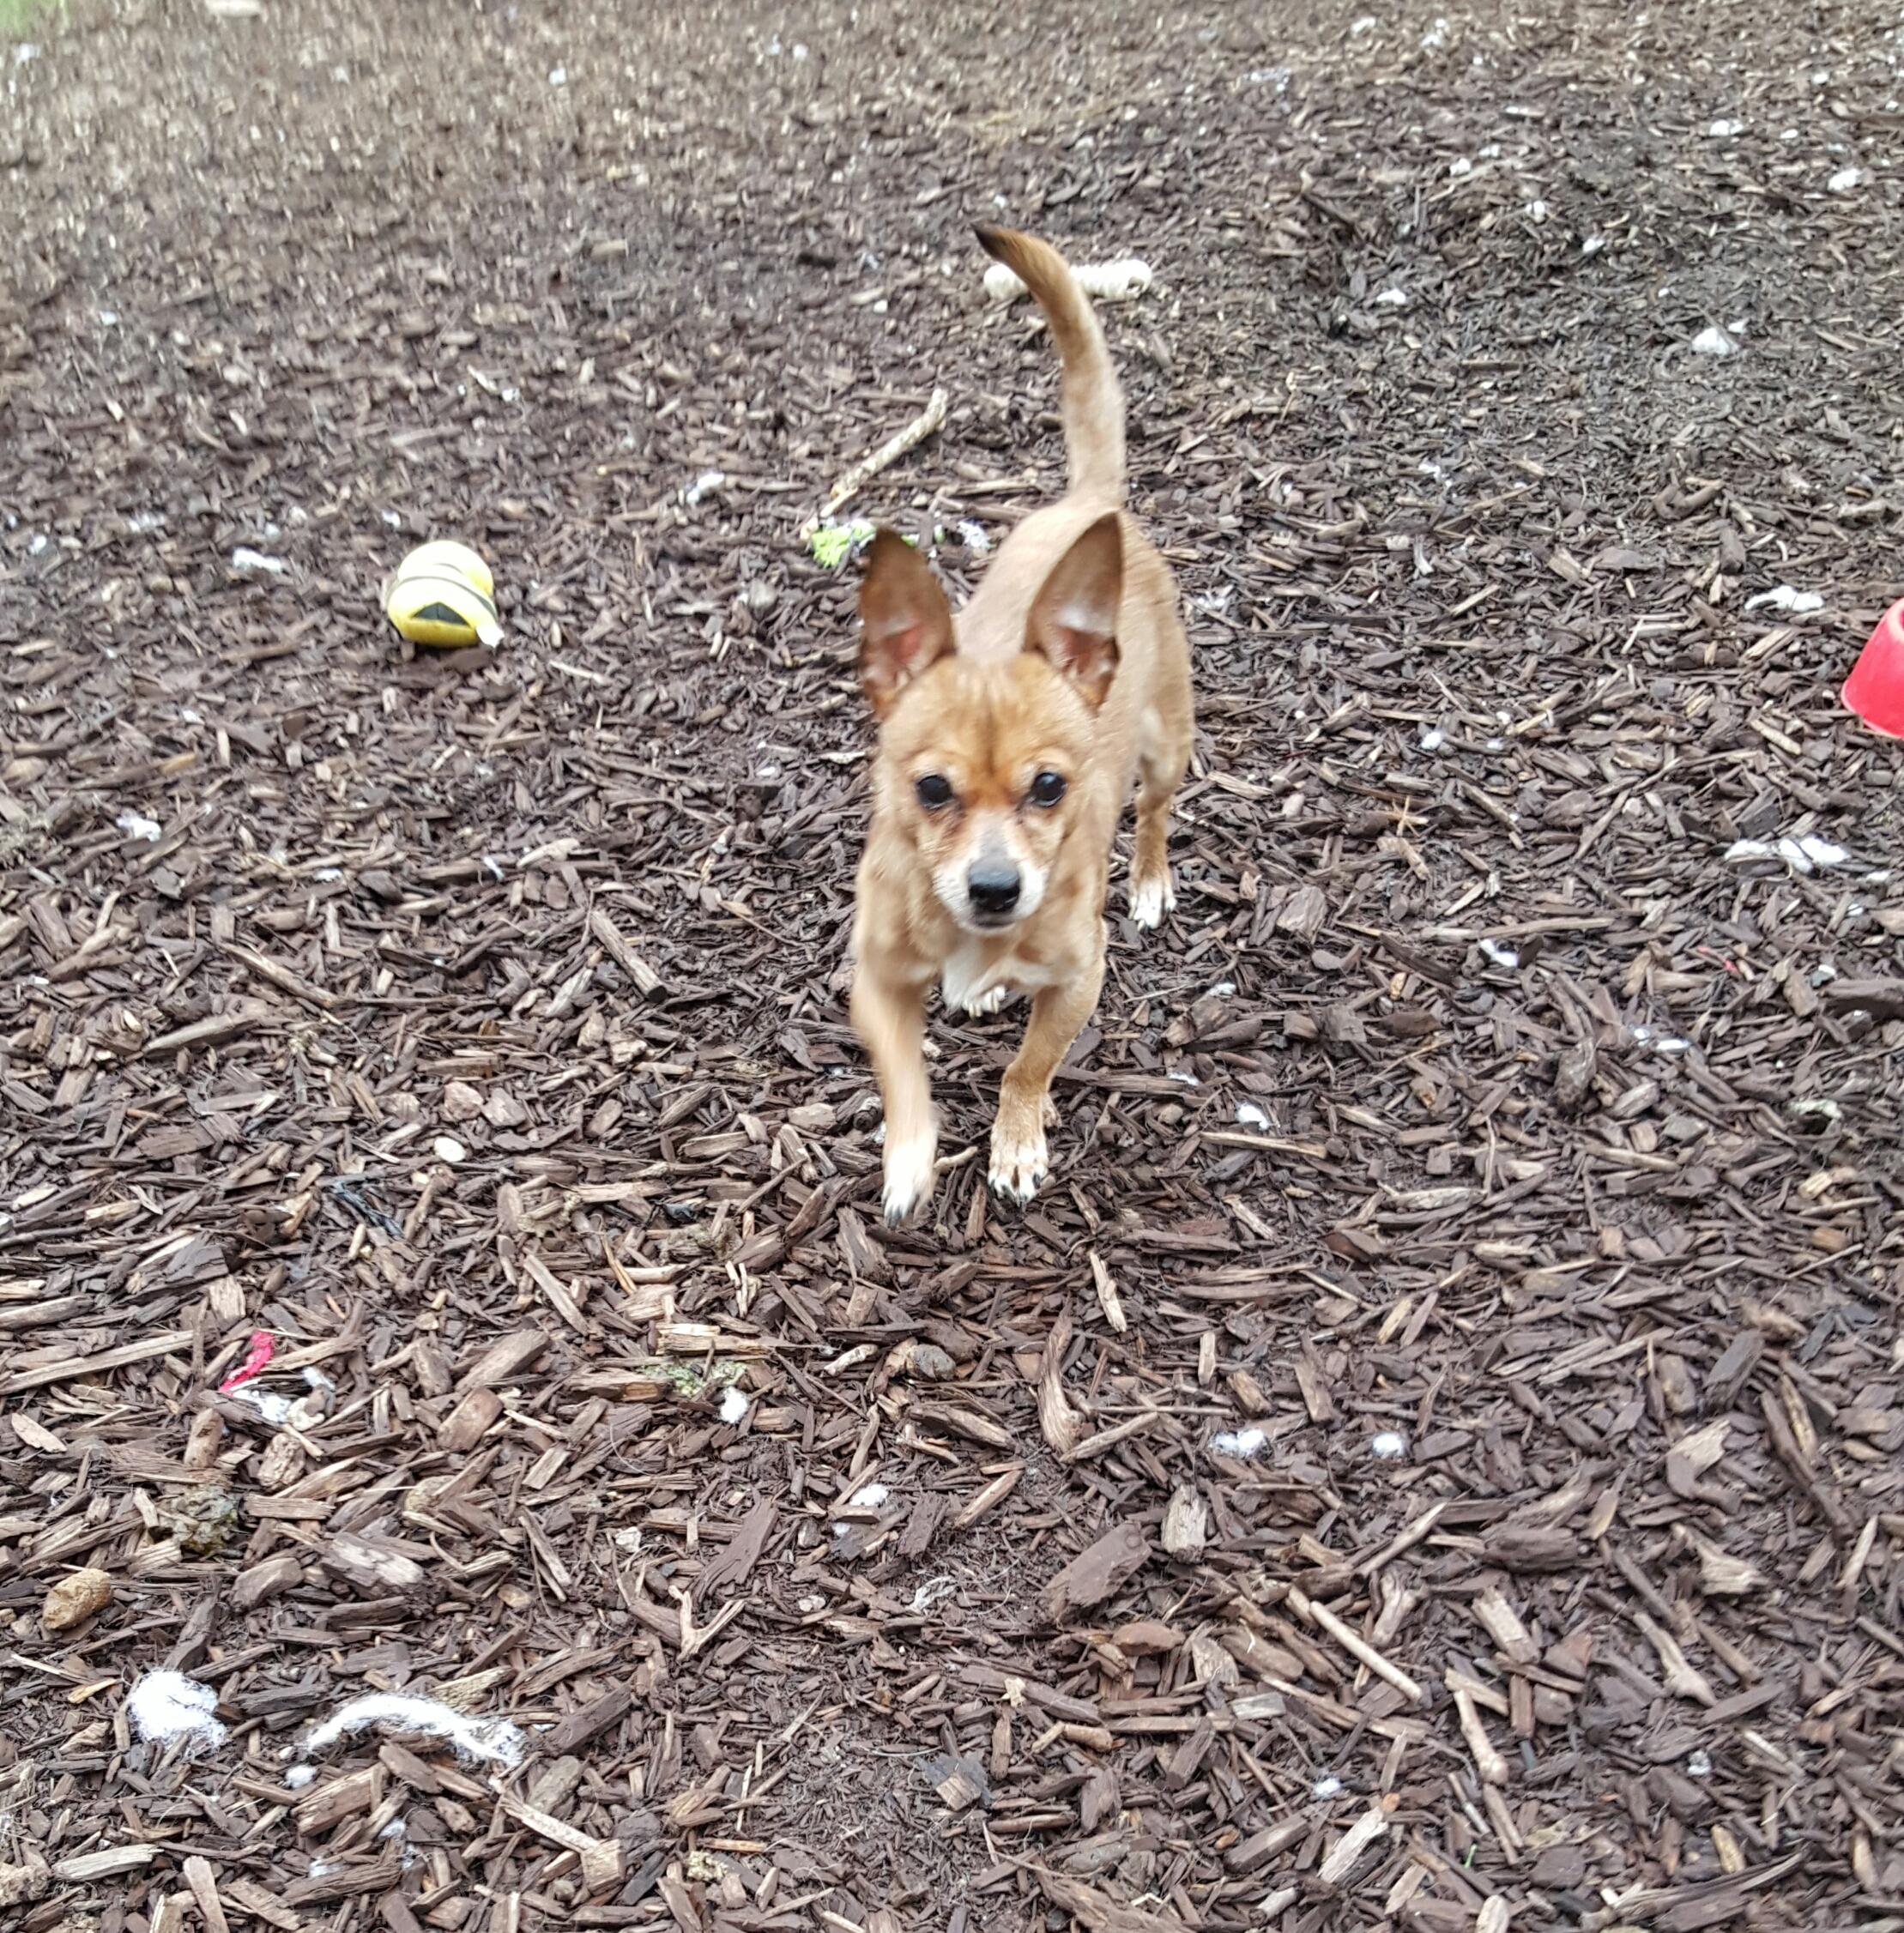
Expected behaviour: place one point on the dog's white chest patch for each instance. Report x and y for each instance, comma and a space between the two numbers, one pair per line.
973, 981
968, 980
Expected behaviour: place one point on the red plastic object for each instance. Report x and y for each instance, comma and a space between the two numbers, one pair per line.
1875, 690
257, 1360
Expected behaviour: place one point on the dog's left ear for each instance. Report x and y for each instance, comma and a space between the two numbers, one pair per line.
905, 622
1074, 620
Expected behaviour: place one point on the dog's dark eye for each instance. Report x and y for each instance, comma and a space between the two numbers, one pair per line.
933, 791
1047, 788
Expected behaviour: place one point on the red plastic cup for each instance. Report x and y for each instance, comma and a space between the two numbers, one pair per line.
1875, 690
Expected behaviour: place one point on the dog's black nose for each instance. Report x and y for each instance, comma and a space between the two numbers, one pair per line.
994, 888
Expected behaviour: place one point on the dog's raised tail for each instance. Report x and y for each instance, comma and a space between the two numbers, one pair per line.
1092, 404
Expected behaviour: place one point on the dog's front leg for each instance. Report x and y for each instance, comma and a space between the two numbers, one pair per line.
1019, 1162
890, 1018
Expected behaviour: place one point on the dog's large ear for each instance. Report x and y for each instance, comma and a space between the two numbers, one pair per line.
905, 622
1074, 620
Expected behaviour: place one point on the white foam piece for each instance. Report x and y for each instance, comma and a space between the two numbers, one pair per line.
1245, 1443
1799, 603
167, 1709
1803, 855
868, 1496
493, 1740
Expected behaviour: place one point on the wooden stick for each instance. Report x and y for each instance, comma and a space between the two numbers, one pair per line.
1344, 1718
78, 1366
1505, 1830
1485, 1696
110, 1861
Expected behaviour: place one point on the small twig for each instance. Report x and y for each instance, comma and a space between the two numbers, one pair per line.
1107, 1298
922, 425
1341, 1862
1495, 1615
604, 1862
1488, 1762
1791, 1454
1097, 1445
1405, 1539
1682, 1681
693, 1635
1505, 1830
1356, 1647
1062, 1426
993, 1494
1486, 1697
1397, 1603
279, 976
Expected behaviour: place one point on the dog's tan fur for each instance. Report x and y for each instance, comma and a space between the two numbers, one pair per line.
1070, 661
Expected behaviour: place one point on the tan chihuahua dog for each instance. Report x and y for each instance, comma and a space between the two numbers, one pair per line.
1009, 733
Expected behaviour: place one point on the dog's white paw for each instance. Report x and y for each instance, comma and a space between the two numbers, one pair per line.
1150, 899
1019, 1162
908, 1176
979, 1005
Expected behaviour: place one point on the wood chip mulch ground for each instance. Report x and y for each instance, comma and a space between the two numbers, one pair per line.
1430, 1458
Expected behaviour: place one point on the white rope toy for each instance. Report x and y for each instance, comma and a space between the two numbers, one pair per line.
1122, 280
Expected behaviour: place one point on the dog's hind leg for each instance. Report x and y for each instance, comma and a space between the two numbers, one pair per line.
1162, 757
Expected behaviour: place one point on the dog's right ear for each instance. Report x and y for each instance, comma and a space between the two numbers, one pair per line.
905, 622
